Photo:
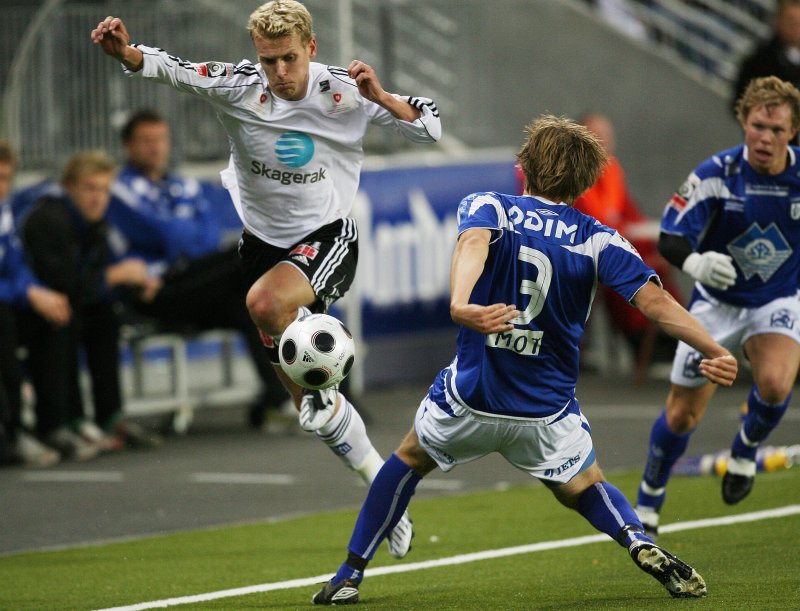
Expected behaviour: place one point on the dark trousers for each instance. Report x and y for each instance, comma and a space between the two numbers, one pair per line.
53, 364
10, 375
208, 293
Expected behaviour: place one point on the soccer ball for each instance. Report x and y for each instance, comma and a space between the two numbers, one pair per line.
317, 351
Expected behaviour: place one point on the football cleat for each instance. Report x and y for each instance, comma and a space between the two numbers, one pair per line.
738, 480
317, 408
649, 518
343, 593
399, 540
680, 580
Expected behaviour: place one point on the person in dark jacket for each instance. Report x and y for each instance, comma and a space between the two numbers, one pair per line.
779, 56
65, 238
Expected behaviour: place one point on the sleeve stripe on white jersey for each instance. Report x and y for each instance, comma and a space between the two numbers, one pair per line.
420, 103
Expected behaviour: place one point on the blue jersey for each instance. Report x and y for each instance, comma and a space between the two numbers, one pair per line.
545, 258
15, 275
728, 207
162, 222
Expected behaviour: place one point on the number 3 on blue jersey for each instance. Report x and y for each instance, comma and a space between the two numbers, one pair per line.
527, 341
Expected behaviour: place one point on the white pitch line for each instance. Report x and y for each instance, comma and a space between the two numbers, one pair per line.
73, 476
779, 512
278, 479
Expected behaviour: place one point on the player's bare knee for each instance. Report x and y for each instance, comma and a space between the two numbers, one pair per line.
414, 455
681, 420
773, 389
267, 312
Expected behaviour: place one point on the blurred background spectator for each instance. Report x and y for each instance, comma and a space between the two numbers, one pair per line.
19, 288
167, 220
65, 237
609, 201
779, 55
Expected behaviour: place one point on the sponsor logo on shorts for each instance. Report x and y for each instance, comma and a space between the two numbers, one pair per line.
303, 253
441, 454
691, 366
563, 468
783, 318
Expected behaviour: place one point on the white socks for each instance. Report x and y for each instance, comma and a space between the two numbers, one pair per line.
346, 435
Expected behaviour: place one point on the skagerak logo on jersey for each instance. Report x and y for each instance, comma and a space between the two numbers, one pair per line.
294, 149
287, 178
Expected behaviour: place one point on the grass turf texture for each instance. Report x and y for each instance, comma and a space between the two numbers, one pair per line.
747, 566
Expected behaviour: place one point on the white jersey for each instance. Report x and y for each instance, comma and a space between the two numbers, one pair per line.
294, 165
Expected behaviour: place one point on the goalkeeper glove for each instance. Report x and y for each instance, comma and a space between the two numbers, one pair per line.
711, 268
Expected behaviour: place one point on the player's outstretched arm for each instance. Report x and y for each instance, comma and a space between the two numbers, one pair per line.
112, 36
370, 87
660, 307
468, 260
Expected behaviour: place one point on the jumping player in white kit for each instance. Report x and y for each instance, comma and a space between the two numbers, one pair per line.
295, 129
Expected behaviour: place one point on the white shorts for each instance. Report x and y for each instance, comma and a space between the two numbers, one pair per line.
554, 452
731, 327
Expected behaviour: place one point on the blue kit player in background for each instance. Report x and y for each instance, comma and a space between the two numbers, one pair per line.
734, 226
523, 277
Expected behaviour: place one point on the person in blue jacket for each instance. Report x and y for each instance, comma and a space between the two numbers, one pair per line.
167, 220
19, 288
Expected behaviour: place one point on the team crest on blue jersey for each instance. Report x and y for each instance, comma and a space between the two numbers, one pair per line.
760, 251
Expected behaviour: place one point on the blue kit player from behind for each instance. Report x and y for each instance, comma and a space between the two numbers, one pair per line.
523, 277
734, 226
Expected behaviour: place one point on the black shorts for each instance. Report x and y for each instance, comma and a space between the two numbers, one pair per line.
327, 257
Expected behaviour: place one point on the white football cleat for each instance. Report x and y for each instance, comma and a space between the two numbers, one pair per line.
399, 540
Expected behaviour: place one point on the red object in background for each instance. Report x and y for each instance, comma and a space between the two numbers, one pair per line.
610, 202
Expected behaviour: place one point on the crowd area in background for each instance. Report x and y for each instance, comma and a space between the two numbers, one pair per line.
104, 244
94, 248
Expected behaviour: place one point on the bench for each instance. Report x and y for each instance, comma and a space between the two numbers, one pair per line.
176, 372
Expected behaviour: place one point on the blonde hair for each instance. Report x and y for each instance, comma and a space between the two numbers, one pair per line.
560, 159
769, 91
281, 18
85, 163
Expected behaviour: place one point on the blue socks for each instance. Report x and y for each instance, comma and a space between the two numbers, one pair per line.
388, 498
607, 509
761, 418
666, 447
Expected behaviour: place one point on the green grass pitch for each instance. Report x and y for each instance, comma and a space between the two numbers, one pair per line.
754, 565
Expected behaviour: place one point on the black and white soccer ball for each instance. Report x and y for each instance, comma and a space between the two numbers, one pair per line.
317, 351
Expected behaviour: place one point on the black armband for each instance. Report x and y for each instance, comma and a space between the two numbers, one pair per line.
674, 248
